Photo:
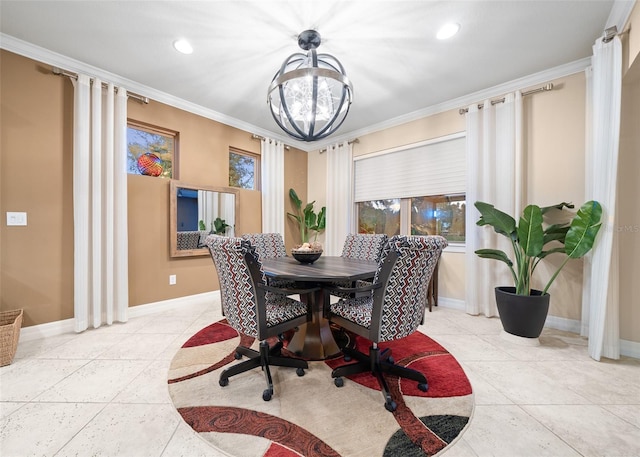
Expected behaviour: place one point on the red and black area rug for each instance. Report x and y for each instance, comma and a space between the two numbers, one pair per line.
309, 416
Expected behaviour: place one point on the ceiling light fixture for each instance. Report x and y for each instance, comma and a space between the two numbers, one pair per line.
183, 46
309, 97
447, 31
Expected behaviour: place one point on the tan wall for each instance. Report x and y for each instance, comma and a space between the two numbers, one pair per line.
554, 152
36, 169
628, 206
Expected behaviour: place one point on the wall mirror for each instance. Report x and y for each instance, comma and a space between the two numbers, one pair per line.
196, 211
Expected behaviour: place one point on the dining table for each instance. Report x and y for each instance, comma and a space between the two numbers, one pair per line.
314, 340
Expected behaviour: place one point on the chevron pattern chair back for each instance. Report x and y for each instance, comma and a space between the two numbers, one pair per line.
267, 245
364, 246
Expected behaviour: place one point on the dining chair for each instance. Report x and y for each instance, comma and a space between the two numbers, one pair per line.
269, 246
255, 309
361, 246
390, 310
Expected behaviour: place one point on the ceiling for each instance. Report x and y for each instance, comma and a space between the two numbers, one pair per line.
388, 48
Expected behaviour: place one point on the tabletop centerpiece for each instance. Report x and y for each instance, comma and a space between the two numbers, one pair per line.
308, 221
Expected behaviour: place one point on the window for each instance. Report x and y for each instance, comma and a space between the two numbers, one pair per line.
379, 216
244, 169
151, 150
422, 191
439, 215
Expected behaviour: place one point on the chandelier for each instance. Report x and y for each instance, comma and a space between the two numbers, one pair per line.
310, 95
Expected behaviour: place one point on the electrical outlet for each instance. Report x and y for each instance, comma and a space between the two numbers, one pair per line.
172, 280
16, 218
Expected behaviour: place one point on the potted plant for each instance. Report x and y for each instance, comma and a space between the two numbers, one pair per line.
219, 226
308, 221
523, 310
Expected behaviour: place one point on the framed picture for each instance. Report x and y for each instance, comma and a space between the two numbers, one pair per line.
151, 150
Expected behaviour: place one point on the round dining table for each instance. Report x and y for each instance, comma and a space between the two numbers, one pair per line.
314, 340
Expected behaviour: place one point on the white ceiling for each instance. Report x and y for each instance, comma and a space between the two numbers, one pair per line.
388, 48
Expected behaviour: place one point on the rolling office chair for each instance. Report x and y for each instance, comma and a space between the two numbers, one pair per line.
254, 309
391, 309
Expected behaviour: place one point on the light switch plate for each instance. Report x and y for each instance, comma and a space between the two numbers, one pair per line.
16, 218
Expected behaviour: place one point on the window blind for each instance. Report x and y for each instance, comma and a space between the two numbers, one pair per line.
428, 168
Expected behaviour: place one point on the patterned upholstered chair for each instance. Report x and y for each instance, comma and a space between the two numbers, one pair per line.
391, 310
269, 246
361, 246
254, 309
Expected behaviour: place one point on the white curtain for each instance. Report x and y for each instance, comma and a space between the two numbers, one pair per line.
272, 173
494, 175
208, 208
101, 287
600, 309
339, 197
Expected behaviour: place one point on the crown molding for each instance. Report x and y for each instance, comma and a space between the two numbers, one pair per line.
58, 60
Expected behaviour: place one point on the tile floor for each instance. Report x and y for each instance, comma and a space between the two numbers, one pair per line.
104, 392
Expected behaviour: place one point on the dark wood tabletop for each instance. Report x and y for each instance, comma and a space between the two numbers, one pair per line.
314, 340
325, 269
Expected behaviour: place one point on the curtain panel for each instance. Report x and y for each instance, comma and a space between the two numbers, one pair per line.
272, 174
494, 164
600, 302
101, 288
339, 197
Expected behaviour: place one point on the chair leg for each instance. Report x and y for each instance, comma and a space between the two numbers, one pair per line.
265, 357
378, 363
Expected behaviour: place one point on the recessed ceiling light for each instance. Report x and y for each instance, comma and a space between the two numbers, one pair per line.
183, 46
447, 31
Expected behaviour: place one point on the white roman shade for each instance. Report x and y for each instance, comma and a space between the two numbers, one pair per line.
434, 167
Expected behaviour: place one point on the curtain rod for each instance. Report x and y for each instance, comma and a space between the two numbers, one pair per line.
544, 88
356, 140
258, 137
60, 72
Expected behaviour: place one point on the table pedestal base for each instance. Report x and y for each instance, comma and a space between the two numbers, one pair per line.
314, 340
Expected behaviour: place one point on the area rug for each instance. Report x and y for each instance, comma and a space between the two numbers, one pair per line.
309, 416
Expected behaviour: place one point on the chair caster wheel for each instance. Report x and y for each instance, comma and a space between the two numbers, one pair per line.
300, 371
339, 382
390, 406
223, 382
391, 360
423, 387
266, 395
237, 356
347, 358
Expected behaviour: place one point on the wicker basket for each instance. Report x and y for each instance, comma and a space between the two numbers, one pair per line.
10, 324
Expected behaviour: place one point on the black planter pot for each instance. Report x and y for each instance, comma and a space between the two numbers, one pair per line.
522, 315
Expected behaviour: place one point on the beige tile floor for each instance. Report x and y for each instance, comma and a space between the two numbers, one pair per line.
104, 392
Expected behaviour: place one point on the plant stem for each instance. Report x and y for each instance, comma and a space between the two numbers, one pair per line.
554, 275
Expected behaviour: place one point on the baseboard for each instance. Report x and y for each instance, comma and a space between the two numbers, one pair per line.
627, 348
562, 323
452, 303
49, 329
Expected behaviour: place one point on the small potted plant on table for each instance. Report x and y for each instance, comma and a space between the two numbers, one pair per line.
308, 221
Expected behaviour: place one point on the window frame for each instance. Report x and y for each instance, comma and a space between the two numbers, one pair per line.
257, 178
162, 131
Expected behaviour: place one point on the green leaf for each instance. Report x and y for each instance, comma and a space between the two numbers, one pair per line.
494, 254
543, 254
584, 228
556, 232
294, 198
501, 222
530, 233
559, 206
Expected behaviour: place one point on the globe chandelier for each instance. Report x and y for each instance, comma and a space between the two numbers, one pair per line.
309, 97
